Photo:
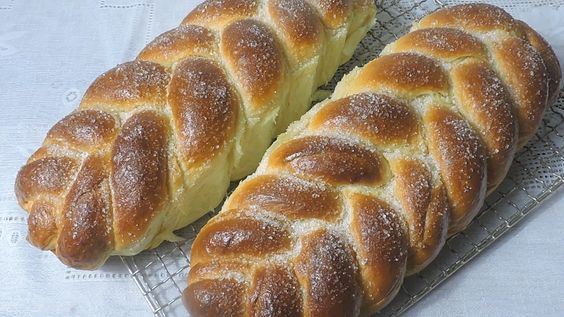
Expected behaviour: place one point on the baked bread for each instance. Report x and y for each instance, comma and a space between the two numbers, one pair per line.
156, 141
366, 187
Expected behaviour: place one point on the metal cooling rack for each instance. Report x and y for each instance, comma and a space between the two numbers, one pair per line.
537, 172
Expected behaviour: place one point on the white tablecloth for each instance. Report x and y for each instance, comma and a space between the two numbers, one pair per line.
49, 53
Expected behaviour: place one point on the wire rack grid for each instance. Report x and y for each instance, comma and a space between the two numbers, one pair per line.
537, 172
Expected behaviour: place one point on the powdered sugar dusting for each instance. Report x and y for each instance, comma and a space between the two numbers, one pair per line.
298, 20
204, 107
408, 72
385, 120
418, 191
379, 107
489, 106
334, 12
463, 134
532, 68
86, 127
254, 55
132, 81
46, 175
290, 196
331, 272
474, 16
219, 10
462, 153
244, 236
336, 160
448, 40
381, 233
139, 160
189, 38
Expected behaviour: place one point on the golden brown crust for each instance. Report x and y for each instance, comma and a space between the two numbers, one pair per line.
42, 227
488, 106
479, 17
218, 13
292, 197
84, 129
333, 160
461, 160
522, 68
425, 208
239, 237
86, 233
444, 43
407, 74
48, 175
524, 61
328, 274
215, 298
255, 58
128, 85
381, 119
333, 12
204, 108
381, 248
139, 175
549, 58
180, 43
275, 292
209, 270
300, 25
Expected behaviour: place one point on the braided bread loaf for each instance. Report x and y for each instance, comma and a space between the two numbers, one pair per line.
366, 187
156, 141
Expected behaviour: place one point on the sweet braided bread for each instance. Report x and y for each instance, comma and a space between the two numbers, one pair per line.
366, 187
156, 141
